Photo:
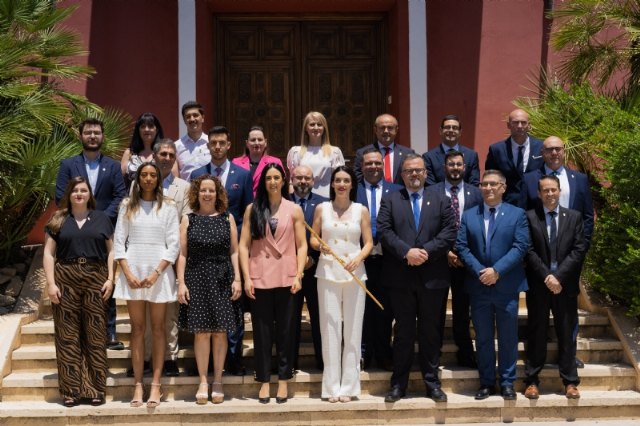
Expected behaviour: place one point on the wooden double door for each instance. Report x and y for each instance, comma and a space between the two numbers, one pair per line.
271, 71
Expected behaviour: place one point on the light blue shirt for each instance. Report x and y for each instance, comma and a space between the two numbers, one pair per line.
93, 168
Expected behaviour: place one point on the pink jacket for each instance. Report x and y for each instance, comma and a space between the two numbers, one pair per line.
272, 260
244, 162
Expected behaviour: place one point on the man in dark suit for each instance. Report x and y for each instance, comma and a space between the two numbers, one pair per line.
386, 129
239, 186
302, 182
107, 185
417, 228
377, 324
450, 132
516, 155
492, 242
576, 192
463, 197
554, 261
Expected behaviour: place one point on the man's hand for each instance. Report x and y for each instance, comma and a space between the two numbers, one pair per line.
489, 276
416, 256
453, 260
553, 284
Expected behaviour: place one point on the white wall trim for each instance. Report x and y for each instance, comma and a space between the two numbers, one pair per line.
186, 56
418, 75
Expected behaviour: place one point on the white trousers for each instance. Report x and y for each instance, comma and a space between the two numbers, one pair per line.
340, 303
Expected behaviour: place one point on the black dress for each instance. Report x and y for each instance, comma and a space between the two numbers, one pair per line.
208, 276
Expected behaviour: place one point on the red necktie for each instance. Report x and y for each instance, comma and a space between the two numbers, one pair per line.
387, 165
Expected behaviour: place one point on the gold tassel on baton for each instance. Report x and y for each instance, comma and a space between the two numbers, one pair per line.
343, 264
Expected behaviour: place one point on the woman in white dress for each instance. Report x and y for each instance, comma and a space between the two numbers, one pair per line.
315, 150
146, 245
342, 224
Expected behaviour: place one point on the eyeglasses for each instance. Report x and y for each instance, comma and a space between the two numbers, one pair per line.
455, 164
490, 184
412, 171
450, 127
553, 149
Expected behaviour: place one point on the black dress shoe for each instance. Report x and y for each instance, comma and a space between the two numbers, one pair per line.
485, 391
579, 363
395, 394
264, 400
146, 369
171, 368
437, 395
281, 399
114, 344
508, 393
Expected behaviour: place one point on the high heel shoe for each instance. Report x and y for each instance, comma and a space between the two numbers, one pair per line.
153, 403
135, 402
217, 396
264, 399
281, 399
202, 396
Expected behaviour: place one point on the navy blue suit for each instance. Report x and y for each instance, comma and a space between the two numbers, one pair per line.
434, 160
500, 158
417, 291
459, 296
377, 324
579, 196
239, 187
570, 252
309, 289
399, 152
496, 303
109, 190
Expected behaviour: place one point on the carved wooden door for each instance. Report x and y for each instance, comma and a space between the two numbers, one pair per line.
273, 70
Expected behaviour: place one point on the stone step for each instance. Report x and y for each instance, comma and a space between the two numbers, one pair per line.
22, 386
41, 358
591, 325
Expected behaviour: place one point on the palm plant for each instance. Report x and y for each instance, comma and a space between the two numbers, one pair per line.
37, 116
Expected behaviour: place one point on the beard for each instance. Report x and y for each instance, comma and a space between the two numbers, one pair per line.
91, 148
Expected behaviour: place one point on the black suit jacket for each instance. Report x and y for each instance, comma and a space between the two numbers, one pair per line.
570, 252
109, 190
436, 234
500, 158
399, 152
579, 196
434, 160
312, 202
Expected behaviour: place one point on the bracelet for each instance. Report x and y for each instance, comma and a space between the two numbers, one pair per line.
158, 271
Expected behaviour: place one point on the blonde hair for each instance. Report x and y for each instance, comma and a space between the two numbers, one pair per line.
304, 136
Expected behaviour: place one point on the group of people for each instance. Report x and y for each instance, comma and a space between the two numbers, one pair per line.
192, 240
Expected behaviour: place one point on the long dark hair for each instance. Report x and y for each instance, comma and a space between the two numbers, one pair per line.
133, 202
354, 186
260, 212
136, 141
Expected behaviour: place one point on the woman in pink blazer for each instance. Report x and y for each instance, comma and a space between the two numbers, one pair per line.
273, 252
255, 156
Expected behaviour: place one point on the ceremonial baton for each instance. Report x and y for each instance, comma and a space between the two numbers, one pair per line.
343, 264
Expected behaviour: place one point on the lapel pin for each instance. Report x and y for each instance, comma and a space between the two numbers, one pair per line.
428, 202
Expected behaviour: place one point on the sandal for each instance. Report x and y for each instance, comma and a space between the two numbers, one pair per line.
202, 397
69, 401
137, 402
152, 403
345, 399
217, 396
96, 401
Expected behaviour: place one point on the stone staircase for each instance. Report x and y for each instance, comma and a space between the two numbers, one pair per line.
609, 386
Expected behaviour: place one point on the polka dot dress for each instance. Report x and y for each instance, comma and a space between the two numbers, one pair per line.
208, 276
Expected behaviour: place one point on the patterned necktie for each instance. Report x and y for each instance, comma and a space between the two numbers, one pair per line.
387, 164
218, 171
415, 197
553, 241
374, 212
455, 203
520, 158
492, 225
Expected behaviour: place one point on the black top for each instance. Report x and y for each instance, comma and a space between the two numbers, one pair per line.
88, 241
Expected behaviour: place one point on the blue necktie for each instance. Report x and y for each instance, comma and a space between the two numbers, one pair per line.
374, 212
416, 208
492, 225
303, 204
218, 171
520, 158
553, 242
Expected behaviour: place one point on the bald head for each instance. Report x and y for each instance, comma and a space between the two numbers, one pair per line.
302, 180
553, 152
518, 125
386, 129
